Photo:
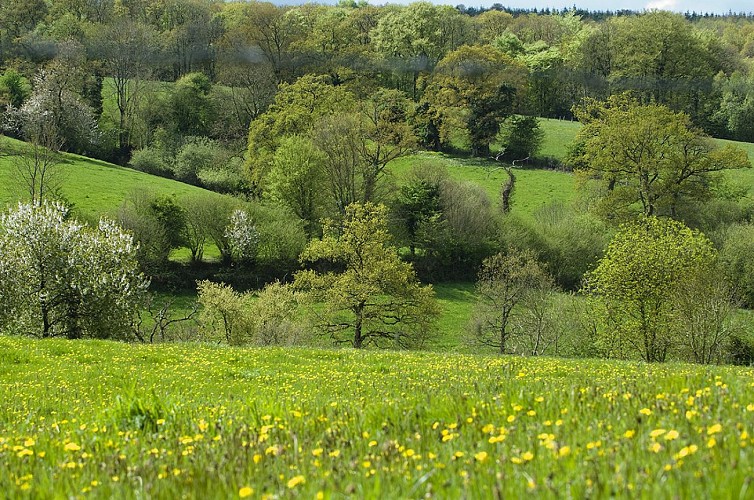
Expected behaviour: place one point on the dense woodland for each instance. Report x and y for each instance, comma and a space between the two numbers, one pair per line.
297, 115
228, 59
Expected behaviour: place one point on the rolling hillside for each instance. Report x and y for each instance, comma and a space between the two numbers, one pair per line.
94, 187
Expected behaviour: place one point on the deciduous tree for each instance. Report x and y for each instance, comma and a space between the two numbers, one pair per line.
649, 156
480, 83
369, 296
61, 278
636, 285
508, 283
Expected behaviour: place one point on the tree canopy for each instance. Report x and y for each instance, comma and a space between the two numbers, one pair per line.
648, 156
636, 284
369, 296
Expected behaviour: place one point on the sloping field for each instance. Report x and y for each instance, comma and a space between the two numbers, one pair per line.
211, 422
534, 188
94, 187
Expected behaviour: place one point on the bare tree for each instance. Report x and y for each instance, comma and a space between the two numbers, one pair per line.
126, 55
506, 283
37, 168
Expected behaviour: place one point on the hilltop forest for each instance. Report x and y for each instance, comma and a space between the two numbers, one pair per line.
331, 159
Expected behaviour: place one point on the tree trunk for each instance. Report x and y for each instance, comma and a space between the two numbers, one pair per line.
358, 337
507, 191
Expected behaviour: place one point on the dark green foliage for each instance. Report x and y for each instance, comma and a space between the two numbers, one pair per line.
191, 110
14, 88
521, 137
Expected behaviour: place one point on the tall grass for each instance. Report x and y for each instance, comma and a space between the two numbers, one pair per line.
203, 421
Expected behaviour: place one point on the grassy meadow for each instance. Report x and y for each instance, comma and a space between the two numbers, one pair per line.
101, 418
94, 187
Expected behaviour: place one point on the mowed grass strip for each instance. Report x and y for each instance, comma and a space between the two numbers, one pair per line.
202, 421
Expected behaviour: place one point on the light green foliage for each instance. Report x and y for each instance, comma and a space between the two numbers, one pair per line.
420, 30
372, 297
570, 241
281, 235
219, 211
151, 160
635, 285
411, 40
513, 290
648, 155
296, 109
61, 278
297, 180
659, 48
271, 316
198, 154
276, 316
224, 313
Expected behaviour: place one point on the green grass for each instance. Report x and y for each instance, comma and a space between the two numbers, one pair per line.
534, 188
209, 422
558, 135
94, 187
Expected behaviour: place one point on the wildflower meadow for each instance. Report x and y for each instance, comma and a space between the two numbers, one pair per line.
104, 419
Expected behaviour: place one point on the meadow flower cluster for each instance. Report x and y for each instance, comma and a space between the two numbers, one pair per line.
99, 419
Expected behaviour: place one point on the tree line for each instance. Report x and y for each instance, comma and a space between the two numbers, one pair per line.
98, 67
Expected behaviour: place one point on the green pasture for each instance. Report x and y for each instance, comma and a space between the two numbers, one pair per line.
534, 188
94, 187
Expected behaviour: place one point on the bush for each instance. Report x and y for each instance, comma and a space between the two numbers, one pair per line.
225, 178
196, 155
521, 137
275, 316
270, 318
224, 314
151, 160
157, 223
737, 259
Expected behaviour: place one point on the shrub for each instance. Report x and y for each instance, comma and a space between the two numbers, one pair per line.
152, 161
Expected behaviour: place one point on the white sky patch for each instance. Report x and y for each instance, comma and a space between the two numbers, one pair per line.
663, 5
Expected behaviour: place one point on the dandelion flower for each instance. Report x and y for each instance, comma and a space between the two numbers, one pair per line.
295, 481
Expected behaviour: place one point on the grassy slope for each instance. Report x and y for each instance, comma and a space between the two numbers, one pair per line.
94, 187
534, 188
205, 421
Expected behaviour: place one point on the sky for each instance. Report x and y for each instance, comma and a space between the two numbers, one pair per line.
699, 6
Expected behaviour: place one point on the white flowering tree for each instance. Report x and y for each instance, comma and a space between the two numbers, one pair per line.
242, 236
59, 277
